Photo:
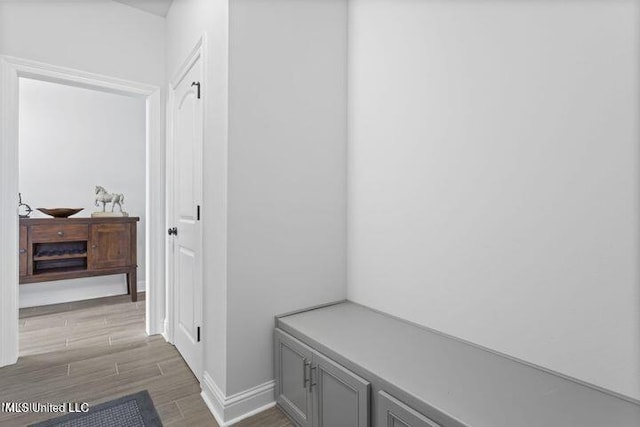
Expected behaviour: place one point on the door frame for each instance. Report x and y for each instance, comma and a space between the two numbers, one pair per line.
198, 52
11, 69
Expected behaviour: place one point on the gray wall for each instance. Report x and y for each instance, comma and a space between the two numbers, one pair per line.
287, 180
493, 176
275, 181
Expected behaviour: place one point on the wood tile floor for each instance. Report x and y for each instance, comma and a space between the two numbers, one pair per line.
96, 351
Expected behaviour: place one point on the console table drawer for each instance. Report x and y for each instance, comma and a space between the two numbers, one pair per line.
58, 233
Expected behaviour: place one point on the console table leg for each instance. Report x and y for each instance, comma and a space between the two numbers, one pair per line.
132, 284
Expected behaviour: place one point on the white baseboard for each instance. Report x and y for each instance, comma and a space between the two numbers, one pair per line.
62, 291
157, 329
229, 410
215, 404
165, 331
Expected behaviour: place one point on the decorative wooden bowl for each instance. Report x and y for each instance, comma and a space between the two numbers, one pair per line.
60, 212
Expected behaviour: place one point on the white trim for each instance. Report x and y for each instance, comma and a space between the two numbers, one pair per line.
155, 215
78, 78
11, 69
198, 52
232, 409
8, 213
165, 329
213, 398
170, 247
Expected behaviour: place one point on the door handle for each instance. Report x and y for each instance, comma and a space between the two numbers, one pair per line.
311, 383
173, 231
305, 378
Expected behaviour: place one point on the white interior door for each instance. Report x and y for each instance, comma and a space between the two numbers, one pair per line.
187, 228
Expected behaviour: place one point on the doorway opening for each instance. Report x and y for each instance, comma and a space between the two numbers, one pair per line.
15, 75
72, 141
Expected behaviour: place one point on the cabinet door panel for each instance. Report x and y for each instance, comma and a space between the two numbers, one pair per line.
394, 413
341, 398
110, 246
293, 360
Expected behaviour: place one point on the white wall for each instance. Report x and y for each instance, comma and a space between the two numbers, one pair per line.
100, 36
287, 179
493, 176
72, 139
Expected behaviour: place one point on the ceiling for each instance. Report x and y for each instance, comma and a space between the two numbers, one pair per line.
157, 7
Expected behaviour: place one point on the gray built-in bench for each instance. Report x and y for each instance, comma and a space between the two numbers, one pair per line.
346, 365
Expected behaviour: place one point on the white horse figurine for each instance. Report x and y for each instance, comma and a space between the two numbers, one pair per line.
102, 196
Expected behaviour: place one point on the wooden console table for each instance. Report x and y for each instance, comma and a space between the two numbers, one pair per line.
70, 248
